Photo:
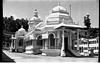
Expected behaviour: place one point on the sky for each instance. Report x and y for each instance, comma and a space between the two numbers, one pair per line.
79, 8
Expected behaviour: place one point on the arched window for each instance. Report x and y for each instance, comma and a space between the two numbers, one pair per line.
39, 41
51, 40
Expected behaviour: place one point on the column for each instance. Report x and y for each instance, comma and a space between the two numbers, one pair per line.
14, 43
77, 39
55, 39
46, 44
43, 43
58, 39
11, 45
70, 43
62, 48
34, 43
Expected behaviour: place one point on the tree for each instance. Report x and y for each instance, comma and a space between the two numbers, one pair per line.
93, 32
87, 21
5, 24
11, 25
25, 24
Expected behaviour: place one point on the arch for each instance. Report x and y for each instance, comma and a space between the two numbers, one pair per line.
39, 40
53, 34
51, 38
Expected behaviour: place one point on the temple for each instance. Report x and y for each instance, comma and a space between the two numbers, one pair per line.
57, 33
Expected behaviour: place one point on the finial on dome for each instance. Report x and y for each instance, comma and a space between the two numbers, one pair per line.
70, 9
35, 13
58, 3
87, 14
22, 26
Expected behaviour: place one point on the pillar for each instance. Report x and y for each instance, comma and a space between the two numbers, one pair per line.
46, 44
58, 39
14, 43
11, 46
70, 43
77, 39
55, 40
62, 48
43, 41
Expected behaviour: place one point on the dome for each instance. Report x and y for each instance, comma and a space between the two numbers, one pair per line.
56, 18
59, 14
21, 31
59, 9
36, 17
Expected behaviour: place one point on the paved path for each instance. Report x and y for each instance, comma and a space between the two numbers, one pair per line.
22, 57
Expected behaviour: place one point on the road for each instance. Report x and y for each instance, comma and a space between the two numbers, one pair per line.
22, 57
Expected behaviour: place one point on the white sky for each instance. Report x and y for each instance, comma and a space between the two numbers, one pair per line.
25, 8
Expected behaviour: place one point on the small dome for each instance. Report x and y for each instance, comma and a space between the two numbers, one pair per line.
21, 31
36, 17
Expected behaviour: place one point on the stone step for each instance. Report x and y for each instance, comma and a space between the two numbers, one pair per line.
51, 52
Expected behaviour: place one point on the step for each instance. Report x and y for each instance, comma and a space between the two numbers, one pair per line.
51, 52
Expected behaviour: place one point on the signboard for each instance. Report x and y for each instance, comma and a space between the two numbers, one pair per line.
44, 36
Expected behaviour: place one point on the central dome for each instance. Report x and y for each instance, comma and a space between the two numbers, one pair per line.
59, 9
59, 14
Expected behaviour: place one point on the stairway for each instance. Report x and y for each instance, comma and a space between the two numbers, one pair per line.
51, 52
29, 49
72, 53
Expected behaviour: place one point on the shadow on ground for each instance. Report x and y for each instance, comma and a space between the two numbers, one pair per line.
5, 58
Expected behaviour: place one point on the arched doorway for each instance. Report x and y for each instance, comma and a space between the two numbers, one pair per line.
51, 41
20, 42
39, 42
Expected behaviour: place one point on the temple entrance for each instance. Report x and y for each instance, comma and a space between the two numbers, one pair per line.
51, 41
39, 42
66, 44
21, 42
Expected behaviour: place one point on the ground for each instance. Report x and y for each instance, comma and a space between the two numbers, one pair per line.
22, 57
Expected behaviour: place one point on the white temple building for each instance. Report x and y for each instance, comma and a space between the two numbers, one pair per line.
57, 33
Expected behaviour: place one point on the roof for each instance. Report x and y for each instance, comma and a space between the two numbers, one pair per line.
69, 25
62, 24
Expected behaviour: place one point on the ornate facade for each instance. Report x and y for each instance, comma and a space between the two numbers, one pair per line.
57, 33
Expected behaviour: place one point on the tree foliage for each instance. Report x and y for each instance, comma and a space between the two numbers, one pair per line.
87, 22
93, 32
11, 25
